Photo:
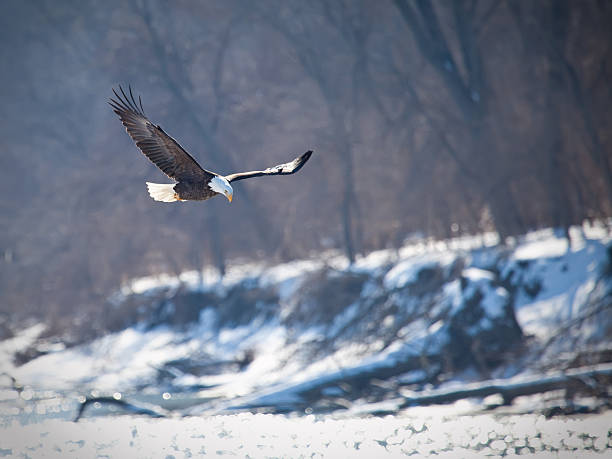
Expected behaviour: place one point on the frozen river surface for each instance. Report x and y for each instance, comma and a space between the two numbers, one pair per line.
421, 432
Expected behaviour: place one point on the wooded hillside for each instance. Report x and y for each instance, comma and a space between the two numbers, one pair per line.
426, 117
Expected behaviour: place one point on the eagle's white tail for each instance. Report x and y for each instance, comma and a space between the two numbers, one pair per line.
162, 191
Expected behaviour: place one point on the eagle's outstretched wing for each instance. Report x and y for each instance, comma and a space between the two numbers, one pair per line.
159, 147
282, 169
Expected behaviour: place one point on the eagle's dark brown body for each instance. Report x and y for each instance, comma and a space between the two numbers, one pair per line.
187, 191
194, 182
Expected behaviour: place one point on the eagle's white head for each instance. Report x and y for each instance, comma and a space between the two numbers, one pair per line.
220, 185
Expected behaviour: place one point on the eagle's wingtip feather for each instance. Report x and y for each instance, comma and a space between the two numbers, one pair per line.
306, 156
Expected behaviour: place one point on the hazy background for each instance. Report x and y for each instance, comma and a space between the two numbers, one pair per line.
427, 118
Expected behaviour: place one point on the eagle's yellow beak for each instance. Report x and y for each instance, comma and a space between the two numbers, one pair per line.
230, 197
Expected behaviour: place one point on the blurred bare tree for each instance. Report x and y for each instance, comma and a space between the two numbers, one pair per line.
429, 117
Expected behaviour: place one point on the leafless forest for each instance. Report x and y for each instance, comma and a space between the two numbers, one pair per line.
434, 118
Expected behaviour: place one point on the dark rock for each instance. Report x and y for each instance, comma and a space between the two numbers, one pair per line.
324, 295
483, 335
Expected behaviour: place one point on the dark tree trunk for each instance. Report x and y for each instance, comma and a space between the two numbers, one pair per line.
469, 94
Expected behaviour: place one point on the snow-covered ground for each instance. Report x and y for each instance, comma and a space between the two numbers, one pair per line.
392, 316
419, 432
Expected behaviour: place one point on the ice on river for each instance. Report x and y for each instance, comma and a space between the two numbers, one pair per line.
423, 432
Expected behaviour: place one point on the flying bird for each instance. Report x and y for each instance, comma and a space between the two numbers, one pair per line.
193, 183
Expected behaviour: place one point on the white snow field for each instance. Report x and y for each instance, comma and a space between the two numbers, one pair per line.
420, 432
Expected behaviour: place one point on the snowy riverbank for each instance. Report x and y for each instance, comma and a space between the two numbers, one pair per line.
397, 329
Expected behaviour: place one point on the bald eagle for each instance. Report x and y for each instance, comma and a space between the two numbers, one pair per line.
193, 182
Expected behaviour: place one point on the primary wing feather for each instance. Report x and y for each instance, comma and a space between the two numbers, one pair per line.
155, 144
281, 169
